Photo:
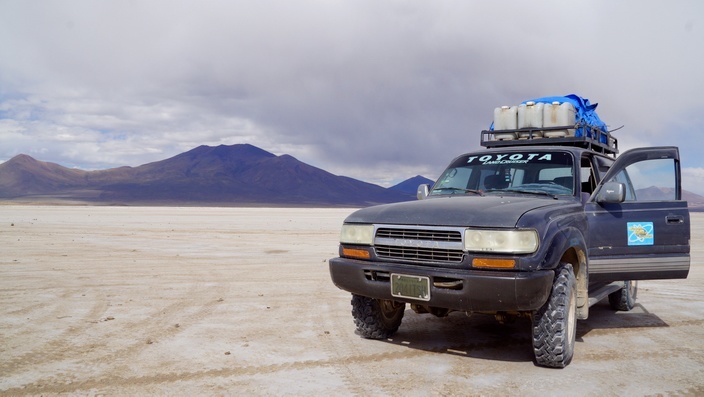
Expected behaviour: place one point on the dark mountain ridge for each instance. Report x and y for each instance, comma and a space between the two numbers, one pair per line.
223, 175
694, 201
410, 186
23, 175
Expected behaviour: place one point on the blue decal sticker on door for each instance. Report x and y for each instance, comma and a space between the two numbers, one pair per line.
641, 233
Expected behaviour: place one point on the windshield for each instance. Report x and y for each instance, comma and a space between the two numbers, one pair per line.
528, 172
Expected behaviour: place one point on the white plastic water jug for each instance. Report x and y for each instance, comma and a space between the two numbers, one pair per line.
559, 114
505, 118
530, 115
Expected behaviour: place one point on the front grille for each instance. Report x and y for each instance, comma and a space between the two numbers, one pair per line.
419, 245
419, 254
419, 234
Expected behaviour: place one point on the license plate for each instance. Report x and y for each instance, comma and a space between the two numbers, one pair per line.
411, 287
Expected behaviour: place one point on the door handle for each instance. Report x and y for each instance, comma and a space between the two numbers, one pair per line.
674, 219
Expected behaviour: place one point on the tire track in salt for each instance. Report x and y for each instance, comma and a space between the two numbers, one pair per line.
51, 385
55, 349
152, 329
617, 354
689, 391
335, 344
629, 328
339, 360
423, 338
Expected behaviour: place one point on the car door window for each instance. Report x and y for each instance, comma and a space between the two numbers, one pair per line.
649, 180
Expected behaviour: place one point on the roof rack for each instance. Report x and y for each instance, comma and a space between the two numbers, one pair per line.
590, 138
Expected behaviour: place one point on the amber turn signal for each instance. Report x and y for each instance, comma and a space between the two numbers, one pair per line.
494, 263
355, 253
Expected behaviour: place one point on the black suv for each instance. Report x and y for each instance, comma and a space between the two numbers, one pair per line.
538, 227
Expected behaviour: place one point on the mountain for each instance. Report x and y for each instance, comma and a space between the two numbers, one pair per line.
694, 201
410, 186
22, 175
223, 175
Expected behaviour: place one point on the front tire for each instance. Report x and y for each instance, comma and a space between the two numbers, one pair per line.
555, 324
376, 318
625, 298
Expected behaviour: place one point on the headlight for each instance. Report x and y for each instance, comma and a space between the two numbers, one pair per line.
502, 241
357, 234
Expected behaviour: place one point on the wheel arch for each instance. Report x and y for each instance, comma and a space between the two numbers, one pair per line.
567, 244
577, 257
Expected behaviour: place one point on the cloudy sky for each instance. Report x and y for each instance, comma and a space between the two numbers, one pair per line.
376, 90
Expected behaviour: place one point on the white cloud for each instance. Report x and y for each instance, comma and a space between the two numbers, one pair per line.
374, 90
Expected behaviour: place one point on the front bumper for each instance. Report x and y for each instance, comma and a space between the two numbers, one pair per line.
456, 289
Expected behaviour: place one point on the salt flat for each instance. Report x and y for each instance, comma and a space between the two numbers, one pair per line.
218, 301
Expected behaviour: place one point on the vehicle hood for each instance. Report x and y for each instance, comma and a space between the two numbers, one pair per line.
479, 211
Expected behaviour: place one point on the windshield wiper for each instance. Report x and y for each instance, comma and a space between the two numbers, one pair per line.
457, 189
534, 192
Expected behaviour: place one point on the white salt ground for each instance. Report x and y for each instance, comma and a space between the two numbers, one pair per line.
220, 301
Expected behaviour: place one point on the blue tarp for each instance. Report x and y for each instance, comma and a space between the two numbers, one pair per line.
586, 112
587, 119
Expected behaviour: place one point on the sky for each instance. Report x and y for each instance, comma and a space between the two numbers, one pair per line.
375, 90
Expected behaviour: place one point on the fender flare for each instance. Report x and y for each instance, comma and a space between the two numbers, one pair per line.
568, 244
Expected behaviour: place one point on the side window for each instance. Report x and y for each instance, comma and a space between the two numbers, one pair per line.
649, 180
587, 175
603, 165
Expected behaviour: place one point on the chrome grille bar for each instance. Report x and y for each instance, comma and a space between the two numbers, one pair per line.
418, 244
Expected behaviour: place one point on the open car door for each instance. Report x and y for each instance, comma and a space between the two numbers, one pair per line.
639, 227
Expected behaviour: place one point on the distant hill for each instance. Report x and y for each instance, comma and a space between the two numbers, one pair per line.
223, 175
694, 201
410, 186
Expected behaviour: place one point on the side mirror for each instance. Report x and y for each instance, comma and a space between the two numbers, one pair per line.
612, 192
422, 192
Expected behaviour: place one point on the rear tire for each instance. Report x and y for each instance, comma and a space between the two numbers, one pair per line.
555, 324
625, 298
376, 318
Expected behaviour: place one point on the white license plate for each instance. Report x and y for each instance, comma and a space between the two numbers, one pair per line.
410, 287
